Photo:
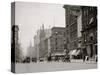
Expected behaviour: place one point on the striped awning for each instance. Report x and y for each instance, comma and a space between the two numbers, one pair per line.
74, 52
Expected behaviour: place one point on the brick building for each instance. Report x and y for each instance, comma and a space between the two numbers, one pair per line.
57, 40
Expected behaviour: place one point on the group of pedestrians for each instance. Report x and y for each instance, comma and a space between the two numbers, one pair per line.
87, 58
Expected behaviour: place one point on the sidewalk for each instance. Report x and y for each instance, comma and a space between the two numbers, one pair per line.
81, 61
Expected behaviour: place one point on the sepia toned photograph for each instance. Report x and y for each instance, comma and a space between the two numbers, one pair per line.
53, 37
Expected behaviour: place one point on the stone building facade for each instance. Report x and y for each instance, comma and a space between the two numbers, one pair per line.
15, 46
36, 44
89, 30
73, 26
41, 42
87, 15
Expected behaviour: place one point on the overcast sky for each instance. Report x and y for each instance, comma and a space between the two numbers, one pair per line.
30, 16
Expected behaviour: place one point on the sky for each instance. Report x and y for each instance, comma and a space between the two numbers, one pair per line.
30, 16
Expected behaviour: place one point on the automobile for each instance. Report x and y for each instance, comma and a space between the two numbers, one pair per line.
67, 58
34, 60
26, 60
49, 58
41, 59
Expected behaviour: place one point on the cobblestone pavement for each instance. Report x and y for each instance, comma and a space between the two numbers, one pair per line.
55, 66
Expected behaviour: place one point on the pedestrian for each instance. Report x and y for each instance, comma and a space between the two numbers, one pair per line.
83, 58
84, 54
96, 58
86, 58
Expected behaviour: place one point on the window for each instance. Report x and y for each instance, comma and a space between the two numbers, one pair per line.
91, 38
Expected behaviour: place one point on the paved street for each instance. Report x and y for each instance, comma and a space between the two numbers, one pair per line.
55, 66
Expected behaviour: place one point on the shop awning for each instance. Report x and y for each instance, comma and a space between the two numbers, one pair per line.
58, 54
74, 52
78, 52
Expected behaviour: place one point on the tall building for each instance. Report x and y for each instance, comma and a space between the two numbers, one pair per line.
89, 30
47, 41
41, 42
73, 21
15, 50
31, 52
36, 44
57, 41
